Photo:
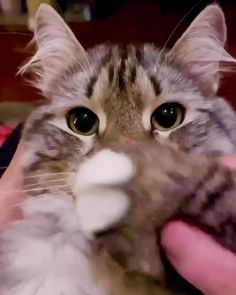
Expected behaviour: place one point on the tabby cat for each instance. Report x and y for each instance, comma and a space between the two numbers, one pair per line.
124, 142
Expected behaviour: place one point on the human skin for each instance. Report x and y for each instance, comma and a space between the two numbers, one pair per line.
10, 187
194, 254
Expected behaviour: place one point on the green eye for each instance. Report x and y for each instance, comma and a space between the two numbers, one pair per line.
82, 121
167, 116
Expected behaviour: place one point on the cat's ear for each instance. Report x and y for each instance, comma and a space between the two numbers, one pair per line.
56, 46
201, 48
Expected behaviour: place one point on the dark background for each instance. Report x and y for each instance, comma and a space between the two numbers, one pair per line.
117, 21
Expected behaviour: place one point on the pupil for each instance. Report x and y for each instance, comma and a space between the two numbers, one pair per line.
84, 120
166, 115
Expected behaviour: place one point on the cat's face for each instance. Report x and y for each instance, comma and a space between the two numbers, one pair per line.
142, 93
109, 92
112, 91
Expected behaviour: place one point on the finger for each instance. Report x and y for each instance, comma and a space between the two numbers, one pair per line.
10, 185
199, 259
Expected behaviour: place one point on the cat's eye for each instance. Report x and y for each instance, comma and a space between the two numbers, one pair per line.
82, 121
167, 116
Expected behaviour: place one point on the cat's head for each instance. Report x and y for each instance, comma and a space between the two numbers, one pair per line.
111, 91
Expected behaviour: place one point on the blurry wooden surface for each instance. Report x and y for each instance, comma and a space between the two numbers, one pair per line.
135, 21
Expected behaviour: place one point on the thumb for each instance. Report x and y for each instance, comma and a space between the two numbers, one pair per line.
199, 259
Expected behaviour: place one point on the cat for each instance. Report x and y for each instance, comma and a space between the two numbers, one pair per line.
125, 141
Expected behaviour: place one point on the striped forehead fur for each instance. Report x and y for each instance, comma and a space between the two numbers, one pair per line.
122, 63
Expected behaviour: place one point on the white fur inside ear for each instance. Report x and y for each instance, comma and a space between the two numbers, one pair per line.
104, 168
101, 208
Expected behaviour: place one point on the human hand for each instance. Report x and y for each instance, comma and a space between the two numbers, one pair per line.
198, 258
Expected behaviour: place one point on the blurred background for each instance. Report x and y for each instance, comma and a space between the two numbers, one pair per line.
93, 22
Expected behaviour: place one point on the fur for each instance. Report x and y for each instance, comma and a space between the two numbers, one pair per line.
96, 203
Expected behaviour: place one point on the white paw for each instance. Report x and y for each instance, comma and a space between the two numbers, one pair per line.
98, 205
101, 208
104, 168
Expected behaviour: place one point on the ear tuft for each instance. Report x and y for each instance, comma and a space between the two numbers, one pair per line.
201, 48
57, 47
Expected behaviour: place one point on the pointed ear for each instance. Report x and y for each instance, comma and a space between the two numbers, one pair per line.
201, 48
57, 47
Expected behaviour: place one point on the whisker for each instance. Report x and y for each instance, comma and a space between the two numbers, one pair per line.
83, 69
42, 174
3, 168
16, 33
88, 63
46, 174
34, 189
177, 26
48, 182
15, 205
